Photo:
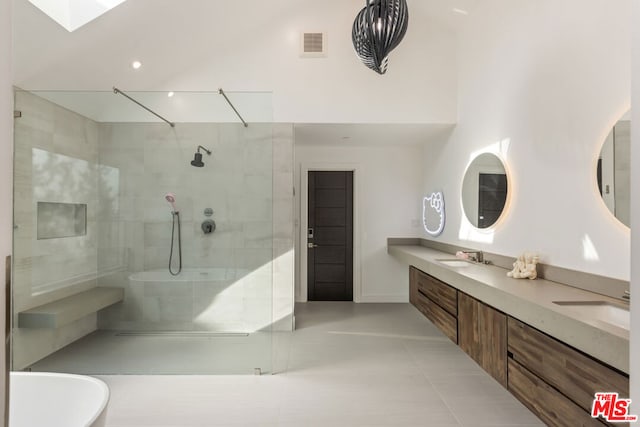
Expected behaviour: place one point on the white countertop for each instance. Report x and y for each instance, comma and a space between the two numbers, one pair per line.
530, 301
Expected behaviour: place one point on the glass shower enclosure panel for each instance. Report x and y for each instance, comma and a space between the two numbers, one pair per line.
168, 198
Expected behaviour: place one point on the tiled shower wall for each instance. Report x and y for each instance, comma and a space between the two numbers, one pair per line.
283, 228
56, 156
146, 161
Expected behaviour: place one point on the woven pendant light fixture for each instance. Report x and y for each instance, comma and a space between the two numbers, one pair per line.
378, 29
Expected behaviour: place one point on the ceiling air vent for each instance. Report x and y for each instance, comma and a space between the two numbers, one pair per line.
313, 45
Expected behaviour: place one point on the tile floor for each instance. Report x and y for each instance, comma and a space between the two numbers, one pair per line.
347, 365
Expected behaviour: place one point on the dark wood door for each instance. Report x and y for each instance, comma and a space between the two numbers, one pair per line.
330, 236
492, 196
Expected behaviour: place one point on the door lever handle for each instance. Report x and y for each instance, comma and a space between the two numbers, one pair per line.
311, 245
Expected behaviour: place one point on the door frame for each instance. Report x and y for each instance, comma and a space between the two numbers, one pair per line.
305, 168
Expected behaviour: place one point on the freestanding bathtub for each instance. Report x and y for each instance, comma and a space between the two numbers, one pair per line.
57, 400
198, 299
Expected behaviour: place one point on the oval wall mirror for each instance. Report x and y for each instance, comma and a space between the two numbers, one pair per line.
613, 170
484, 190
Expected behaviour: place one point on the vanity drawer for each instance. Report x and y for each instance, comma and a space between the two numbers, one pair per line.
543, 400
441, 293
574, 374
440, 317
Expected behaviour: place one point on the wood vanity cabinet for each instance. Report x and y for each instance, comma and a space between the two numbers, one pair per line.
482, 334
436, 300
413, 285
555, 380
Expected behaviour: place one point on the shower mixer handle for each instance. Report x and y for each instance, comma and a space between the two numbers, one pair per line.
208, 226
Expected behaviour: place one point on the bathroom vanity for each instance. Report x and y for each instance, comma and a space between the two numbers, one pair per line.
552, 346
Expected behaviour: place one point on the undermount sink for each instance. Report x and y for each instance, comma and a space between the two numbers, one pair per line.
454, 262
601, 310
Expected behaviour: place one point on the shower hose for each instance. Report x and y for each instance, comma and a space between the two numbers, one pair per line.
176, 218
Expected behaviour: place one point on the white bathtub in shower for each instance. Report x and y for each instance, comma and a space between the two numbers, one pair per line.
57, 400
188, 275
197, 299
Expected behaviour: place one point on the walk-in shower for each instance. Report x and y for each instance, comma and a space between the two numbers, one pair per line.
100, 169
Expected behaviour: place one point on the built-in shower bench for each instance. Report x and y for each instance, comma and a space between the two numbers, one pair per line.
67, 310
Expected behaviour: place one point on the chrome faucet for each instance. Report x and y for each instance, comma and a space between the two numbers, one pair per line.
476, 256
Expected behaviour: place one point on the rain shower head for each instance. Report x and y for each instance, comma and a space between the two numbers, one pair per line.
197, 158
171, 199
197, 161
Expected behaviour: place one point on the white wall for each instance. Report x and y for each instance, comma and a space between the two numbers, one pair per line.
388, 184
634, 357
246, 46
542, 82
6, 167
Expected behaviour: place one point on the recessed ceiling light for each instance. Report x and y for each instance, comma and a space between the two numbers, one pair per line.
170, 94
460, 11
136, 65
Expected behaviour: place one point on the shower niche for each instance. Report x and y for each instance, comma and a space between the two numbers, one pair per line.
58, 220
127, 160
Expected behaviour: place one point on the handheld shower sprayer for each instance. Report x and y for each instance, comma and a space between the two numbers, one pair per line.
171, 199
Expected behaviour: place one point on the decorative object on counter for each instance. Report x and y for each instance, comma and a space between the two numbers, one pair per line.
377, 30
525, 267
433, 216
462, 255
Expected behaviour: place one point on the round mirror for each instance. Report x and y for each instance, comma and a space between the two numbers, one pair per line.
484, 190
614, 169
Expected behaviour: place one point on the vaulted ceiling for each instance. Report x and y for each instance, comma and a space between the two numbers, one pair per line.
174, 35
250, 45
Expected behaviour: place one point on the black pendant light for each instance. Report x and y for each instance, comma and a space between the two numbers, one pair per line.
378, 29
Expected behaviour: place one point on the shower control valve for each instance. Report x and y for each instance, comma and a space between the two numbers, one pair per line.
208, 226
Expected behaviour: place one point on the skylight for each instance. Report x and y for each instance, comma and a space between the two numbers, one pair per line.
73, 14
